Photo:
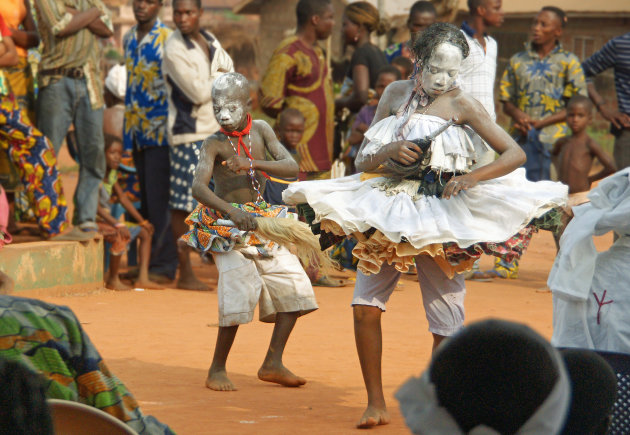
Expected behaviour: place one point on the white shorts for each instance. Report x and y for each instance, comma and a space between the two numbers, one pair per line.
442, 297
278, 284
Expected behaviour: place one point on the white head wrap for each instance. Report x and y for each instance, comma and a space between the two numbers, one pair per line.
116, 81
424, 415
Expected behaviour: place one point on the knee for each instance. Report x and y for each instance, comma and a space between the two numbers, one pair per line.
366, 314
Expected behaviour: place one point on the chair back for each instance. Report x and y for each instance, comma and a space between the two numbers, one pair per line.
73, 418
620, 363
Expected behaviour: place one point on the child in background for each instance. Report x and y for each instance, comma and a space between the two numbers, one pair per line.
386, 75
573, 156
120, 234
404, 65
289, 129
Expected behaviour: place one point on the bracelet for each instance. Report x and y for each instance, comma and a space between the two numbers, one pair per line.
120, 225
143, 223
599, 104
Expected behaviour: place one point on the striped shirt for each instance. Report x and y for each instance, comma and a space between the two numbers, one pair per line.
614, 54
479, 69
81, 49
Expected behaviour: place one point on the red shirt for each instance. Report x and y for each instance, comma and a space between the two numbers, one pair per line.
4, 29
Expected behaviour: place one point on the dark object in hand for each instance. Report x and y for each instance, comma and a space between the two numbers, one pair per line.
412, 170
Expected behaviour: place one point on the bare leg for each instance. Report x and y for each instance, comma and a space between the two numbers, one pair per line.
143, 280
272, 369
369, 340
217, 375
187, 279
113, 280
437, 339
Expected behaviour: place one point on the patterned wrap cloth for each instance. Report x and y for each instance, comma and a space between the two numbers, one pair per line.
212, 231
34, 157
49, 340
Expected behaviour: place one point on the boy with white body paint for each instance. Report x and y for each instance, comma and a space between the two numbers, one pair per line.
250, 270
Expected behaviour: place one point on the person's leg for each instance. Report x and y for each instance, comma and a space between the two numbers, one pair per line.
371, 293
621, 151
143, 280
88, 123
442, 297
113, 279
369, 342
272, 369
35, 159
183, 159
152, 165
237, 293
55, 104
217, 374
187, 279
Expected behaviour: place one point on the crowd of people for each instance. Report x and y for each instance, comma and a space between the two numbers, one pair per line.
431, 183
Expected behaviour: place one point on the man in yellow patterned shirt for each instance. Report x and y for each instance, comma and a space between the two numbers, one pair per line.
297, 77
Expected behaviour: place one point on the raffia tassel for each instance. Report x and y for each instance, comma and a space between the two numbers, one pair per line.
290, 232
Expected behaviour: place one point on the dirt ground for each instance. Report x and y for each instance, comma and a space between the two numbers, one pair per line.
160, 344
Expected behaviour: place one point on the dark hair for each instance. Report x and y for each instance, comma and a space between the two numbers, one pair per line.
197, 3
473, 5
562, 16
365, 14
23, 407
436, 34
404, 62
421, 7
290, 113
305, 9
494, 372
390, 69
110, 139
581, 99
593, 388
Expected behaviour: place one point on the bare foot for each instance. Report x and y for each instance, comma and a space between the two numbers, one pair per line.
148, 284
280, 375
187, 283
218, 381
116, 284
373, 417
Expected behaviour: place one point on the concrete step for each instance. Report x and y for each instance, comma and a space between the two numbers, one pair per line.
54, 268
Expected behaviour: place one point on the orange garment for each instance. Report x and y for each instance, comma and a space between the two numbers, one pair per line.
14, 12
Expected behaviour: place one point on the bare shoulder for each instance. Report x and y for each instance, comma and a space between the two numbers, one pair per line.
396, 94
467, 108
261, 126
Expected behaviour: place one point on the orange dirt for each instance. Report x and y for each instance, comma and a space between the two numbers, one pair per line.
160, 344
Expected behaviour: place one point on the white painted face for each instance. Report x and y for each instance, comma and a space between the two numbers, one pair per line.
440, 72
230, 109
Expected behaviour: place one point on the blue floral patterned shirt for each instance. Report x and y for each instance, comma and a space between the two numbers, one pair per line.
541, 87
146, 102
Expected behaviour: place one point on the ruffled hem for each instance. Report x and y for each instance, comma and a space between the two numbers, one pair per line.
375, 249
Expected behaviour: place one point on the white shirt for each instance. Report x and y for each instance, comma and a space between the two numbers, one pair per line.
189, 77
478, 71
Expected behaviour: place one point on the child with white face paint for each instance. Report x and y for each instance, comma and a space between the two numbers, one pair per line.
442, 216
251, 271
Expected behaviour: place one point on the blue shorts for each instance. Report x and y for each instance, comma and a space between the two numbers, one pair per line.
184, 160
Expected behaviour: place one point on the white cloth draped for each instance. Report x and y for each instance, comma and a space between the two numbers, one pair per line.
583, 316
